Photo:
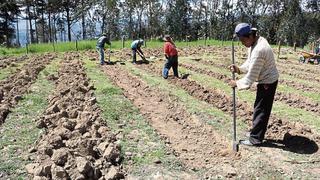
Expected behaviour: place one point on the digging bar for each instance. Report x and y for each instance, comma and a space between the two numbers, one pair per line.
109, 53
235, 143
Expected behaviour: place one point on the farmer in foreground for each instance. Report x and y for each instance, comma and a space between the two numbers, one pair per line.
100, 46
136, 48
259, 67
171, 55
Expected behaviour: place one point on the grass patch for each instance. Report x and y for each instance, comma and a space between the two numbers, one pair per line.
121, 115
91, 44
19, 131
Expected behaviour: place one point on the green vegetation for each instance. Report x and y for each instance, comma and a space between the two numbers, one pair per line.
91, 44
19, 131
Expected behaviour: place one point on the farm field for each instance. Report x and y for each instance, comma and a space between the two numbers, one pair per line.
63, 116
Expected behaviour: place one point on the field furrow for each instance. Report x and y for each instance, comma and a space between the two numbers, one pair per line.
291, 99
77, 144
13, 87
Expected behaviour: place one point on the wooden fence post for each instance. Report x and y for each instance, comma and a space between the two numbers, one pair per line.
279, 49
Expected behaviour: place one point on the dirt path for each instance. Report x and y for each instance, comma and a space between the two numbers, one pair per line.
13, 87
77, 144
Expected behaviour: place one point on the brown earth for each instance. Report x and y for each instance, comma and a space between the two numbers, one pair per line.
77, 144
292, 100
170, 119
11, 61
298, 74
13, 87
184, 131
277, 129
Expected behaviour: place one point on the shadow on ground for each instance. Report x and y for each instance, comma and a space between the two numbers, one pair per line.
293, 143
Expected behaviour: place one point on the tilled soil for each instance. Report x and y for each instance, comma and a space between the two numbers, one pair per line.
311, 69
10, 61
282, 135
13, 87
277, 129
77, 144
288, 98
289, 83
194, 142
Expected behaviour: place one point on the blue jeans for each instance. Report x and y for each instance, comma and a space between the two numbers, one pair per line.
101, 54
171, 62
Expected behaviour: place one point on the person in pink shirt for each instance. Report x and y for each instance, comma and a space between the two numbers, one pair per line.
171, 55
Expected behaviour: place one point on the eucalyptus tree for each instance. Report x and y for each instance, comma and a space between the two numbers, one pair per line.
291, 28
312, 20
178, 18
107, 14
8, 11
225, 20
155, 20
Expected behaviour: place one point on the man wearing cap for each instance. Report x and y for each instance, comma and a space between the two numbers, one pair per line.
171, 55
136, 47
259, 67
100, 46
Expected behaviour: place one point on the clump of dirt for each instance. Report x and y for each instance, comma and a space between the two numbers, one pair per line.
77, 144
10, 61
13, 87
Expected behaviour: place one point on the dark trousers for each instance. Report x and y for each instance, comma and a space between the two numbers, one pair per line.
134, 55
262, 111
172, 61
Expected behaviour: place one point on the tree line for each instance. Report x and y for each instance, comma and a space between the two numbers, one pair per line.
289, 21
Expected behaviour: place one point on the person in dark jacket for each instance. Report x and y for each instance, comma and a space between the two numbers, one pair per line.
136, 48
100, 46
171, 55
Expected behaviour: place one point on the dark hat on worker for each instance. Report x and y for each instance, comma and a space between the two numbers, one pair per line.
166, 37
244, 29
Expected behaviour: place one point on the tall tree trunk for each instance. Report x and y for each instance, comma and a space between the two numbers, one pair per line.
35, 26
83, 21
30, 25
43, 26
18, 38
49, 25
68, 24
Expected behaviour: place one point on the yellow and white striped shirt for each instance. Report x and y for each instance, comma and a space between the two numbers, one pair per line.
260, 65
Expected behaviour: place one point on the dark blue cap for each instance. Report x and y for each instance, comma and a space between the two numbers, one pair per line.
242, 29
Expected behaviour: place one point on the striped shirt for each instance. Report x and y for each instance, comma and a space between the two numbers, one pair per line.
260, 65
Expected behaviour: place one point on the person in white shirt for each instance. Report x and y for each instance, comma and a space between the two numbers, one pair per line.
259, 67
